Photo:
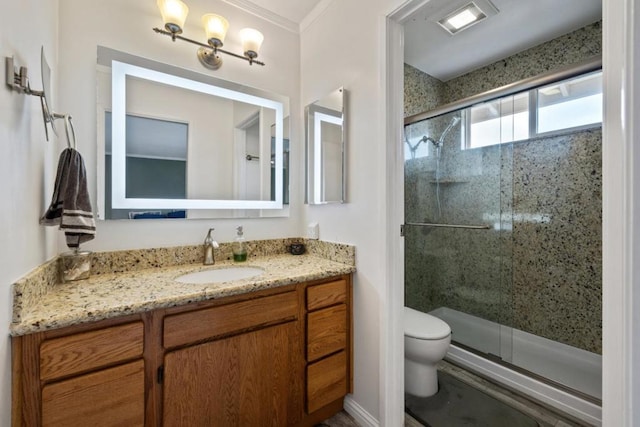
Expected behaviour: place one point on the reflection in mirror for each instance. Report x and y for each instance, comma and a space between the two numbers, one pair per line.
325, 150
156, 165
178, 144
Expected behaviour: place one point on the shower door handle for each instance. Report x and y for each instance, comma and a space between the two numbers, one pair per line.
427, 224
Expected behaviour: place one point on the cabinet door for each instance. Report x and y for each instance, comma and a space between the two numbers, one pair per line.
250, 379
109, 397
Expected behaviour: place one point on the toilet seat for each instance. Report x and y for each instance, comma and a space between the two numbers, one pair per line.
424, 326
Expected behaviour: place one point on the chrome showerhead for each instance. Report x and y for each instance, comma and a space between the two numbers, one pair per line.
452, 124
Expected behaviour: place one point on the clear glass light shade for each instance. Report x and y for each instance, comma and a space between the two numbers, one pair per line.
251, 41
174, 13
215, 26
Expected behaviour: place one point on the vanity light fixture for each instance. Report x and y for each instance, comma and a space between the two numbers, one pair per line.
462, 18
174, 14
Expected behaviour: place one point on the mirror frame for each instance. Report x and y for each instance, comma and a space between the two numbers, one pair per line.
123, 65
313, 114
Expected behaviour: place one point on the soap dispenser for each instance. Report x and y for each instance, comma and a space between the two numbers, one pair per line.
239, 246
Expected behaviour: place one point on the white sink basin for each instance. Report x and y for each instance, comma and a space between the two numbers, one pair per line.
220, 275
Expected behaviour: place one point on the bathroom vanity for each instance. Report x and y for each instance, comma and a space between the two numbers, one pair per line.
277, 353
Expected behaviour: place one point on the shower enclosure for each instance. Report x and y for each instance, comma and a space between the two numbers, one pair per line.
502, 229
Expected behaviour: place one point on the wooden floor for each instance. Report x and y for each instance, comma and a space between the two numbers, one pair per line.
344, 420
341, 419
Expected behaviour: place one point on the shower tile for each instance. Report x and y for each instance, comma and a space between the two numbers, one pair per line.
557, 193
421, 91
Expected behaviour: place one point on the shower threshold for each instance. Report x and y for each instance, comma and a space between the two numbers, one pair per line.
558, 375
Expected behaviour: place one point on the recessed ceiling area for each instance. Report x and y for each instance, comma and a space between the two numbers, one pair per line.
518, 25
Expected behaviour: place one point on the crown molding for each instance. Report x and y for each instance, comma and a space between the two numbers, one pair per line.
265, 14
314, 14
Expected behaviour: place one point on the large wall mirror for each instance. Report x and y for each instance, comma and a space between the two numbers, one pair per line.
173, 143
325, 149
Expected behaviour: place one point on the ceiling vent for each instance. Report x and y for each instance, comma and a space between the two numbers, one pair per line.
467, 16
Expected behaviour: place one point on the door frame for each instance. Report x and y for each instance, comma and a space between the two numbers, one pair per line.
621, 231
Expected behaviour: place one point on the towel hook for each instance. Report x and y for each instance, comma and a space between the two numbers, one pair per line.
71, 136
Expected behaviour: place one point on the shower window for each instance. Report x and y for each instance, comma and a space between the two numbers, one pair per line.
496, 122
569, 104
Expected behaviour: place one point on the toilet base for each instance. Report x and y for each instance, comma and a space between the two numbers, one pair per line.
420, 379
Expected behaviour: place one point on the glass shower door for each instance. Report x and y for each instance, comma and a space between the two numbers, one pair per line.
457, 248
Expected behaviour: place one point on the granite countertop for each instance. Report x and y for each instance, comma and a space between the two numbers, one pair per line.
118, 294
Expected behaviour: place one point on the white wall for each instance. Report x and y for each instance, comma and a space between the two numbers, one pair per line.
126, 26
342, 47
27, 162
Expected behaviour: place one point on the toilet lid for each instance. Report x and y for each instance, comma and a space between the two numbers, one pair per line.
424, 326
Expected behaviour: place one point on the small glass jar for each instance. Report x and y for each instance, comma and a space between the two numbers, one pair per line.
75, 265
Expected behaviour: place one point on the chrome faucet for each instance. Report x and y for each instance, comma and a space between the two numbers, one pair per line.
209, 249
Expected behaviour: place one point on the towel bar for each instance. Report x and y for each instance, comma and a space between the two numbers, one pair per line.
426, 224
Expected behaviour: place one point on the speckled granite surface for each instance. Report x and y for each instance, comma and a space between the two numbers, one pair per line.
539, 268
140, 259
143, 280
421, 91
557, 259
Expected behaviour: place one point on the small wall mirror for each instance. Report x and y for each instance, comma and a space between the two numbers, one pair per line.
325, 149
173, 143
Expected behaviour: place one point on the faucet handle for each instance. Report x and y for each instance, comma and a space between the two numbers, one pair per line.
209, 239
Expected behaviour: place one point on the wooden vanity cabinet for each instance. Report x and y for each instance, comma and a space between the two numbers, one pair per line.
79, 376
248, 373
329, 343
277, 357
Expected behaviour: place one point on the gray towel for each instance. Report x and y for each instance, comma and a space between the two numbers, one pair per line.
70, 205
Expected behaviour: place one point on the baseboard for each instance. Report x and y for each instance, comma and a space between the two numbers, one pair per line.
361, 416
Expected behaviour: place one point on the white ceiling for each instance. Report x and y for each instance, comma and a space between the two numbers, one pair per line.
519, 25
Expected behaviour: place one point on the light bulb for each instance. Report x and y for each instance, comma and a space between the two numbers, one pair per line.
215, 26
174, 13
251, 42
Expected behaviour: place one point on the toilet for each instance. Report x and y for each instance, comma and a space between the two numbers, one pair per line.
426, 341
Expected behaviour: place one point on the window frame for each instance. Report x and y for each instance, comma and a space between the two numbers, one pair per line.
533, 112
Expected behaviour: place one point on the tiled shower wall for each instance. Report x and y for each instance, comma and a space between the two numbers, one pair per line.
539, 268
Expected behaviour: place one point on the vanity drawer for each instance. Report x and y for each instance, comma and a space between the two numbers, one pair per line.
326, 331
326, 381
113, 396
200, 325
86, 351
326, 294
